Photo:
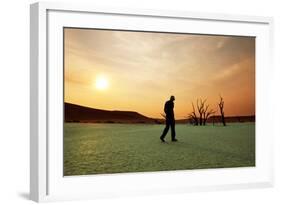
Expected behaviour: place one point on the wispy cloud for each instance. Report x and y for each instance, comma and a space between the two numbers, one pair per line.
150, 66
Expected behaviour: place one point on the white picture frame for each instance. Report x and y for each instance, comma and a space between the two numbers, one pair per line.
46, 179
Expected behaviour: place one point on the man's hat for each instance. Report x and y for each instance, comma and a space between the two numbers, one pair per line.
172, 97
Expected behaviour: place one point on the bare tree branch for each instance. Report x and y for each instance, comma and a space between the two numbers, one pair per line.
221, 106
203, 112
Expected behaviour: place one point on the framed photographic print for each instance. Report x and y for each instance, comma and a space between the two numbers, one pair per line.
127, 102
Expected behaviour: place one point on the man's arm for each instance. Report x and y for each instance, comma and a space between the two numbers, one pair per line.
166, 108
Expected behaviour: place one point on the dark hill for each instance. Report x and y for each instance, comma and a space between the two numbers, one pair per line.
216, 119
77, 113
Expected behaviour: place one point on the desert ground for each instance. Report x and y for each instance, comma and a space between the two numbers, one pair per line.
91, 148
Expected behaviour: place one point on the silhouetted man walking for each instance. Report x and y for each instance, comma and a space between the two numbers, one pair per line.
170, 119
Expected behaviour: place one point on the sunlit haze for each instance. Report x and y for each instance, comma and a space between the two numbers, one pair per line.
139, 71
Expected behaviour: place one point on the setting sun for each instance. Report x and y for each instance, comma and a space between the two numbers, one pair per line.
154, 66
101, 83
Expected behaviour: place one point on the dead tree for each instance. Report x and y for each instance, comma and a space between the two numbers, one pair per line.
162, 120
200, 109
200, 115
193, 116
221, 106
207, 113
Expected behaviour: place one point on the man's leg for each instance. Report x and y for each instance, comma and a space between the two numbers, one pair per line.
173, 131
165, 131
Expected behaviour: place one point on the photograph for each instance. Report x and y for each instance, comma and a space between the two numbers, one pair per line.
151, 101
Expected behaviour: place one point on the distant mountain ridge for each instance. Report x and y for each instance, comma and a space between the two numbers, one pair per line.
78, 113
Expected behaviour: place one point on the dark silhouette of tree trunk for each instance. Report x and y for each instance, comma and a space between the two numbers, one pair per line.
200, 109
203, 112
207, 113
221, 106
193, 116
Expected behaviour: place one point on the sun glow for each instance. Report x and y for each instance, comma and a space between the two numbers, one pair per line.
101, 83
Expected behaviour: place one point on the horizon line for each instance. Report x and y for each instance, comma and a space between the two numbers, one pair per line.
250, 115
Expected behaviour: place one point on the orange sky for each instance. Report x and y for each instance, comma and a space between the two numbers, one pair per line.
143, 69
